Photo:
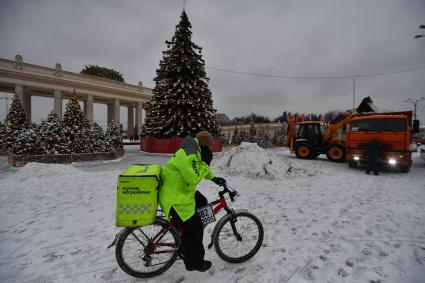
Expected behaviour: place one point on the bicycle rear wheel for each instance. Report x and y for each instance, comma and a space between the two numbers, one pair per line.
149, 250
245, 243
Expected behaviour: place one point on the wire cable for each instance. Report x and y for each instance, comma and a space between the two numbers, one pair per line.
317, 76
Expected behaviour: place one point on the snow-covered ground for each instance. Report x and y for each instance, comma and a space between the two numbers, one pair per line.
323, 221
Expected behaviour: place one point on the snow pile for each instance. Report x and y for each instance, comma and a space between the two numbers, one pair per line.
250, 160
35, 170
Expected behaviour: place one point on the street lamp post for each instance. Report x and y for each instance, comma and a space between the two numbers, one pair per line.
415, 102
420, 35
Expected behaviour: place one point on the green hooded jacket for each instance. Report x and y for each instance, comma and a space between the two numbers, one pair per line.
180, 176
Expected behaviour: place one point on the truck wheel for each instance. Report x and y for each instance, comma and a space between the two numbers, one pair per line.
352, 164
304, 150
336, 153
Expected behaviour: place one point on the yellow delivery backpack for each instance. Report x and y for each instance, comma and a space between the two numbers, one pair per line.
137, 195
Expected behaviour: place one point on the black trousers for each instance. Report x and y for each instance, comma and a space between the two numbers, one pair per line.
193, 234
372, 164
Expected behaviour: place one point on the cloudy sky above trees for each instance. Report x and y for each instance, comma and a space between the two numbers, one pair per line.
281, 38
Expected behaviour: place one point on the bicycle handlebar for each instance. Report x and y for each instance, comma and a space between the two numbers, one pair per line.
231, 193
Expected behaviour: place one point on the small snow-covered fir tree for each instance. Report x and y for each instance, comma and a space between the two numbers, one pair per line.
243, 137
113, 137
97, 139
282, 135
51, 136
224, 138
263, 139
15, 122
235, 137
26, 143
252, 133
3, 135
79, 139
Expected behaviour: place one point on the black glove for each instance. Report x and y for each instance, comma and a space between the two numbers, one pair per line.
206, 155
219, 181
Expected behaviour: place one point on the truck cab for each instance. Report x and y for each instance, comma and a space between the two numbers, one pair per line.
392, 130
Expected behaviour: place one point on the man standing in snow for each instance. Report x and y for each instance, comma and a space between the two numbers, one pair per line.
372, 156
179, 198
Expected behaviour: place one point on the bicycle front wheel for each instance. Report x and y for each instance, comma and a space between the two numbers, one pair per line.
149, 250
241, 242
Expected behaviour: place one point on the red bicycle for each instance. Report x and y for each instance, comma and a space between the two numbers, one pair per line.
150, 250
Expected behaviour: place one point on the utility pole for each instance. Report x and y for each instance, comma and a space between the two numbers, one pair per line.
354, 93
415, 102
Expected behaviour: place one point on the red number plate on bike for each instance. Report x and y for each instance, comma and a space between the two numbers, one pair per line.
206, 213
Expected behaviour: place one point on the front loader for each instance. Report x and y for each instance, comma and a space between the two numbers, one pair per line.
310, 139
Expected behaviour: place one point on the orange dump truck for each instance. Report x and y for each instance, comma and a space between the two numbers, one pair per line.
393, 133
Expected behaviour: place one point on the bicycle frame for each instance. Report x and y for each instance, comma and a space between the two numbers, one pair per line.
218, 205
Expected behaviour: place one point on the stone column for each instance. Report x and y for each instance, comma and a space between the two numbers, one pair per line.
57, 104
117, 111
139, 109
19, 91
110, 113
25, 97
130, 121
88, 108
27, 104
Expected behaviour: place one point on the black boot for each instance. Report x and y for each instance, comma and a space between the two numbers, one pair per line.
202, 267
181, 253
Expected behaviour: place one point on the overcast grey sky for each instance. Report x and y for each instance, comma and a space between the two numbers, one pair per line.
267, 37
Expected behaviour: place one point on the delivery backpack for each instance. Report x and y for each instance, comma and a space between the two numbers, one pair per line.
137, 195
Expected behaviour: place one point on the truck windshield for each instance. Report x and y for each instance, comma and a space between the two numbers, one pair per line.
379, 125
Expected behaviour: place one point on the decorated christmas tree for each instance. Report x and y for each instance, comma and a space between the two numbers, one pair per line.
113, 137
74, 116
15, 122
76, 126
51, 136
181, 104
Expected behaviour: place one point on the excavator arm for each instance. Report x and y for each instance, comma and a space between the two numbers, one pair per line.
291, 134
332, 128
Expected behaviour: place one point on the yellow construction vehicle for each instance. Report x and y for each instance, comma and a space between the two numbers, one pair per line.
310, 139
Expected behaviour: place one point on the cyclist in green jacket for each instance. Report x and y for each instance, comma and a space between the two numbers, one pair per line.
179, 198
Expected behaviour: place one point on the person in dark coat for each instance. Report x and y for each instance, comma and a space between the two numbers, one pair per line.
372, 156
